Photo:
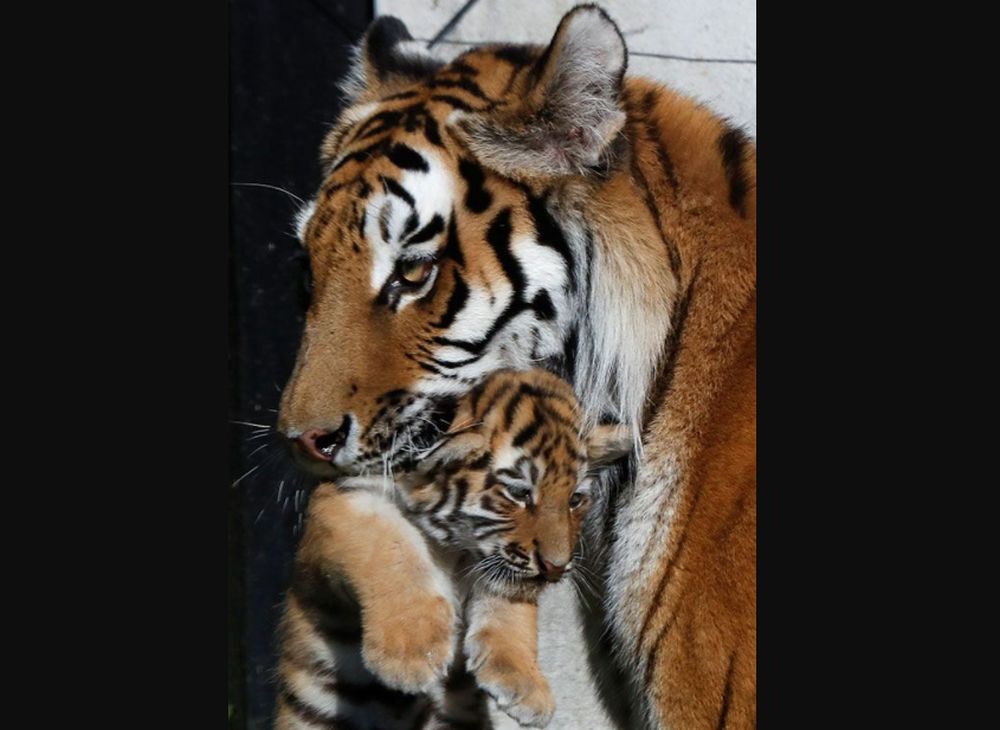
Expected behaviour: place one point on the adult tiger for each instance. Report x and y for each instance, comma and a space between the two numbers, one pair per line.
523, 205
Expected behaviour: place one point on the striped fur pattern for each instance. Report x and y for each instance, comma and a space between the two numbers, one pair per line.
501, 499
529, 206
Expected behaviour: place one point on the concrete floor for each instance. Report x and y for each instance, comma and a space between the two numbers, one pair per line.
723, 35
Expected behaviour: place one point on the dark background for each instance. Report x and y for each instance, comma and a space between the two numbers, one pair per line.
286, 57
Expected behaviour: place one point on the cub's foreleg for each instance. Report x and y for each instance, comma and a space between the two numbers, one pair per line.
502, 648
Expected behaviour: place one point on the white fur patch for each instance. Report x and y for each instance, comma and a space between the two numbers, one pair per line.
302, 218
433, 193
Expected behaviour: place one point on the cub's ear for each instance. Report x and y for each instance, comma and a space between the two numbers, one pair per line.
570, 112
453, 448
607, 443
384, 61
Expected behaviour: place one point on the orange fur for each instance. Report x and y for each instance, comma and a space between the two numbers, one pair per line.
669, 211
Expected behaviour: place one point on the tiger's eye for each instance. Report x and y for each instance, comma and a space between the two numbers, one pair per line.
576, 500
416, 273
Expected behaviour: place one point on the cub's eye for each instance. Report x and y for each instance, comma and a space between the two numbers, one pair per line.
578, 499
414, 273
519, 492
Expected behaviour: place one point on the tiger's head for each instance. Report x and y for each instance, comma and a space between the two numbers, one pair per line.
509, 484
437, 253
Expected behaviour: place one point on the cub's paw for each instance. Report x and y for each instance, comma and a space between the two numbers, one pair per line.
409, 644
518, 686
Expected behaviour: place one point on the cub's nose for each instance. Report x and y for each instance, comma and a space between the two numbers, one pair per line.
550, 571
323, 444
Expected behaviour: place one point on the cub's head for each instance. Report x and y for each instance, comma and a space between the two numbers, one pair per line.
437, 252
509, 483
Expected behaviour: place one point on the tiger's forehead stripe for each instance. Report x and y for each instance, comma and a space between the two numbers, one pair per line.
461, 86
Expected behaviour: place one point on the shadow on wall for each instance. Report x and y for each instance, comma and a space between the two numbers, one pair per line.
285, 61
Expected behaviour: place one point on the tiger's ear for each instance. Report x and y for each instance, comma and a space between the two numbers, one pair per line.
570, 112
453, 448
384, 62
607, 443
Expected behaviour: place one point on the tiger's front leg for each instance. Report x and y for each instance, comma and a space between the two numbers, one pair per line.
501, 644
408, 613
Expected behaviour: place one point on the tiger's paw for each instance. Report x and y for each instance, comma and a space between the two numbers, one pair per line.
519, 687
409, 644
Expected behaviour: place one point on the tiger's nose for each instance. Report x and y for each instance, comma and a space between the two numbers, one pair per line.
323, 444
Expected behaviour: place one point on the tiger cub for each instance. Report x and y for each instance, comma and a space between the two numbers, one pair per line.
402, 604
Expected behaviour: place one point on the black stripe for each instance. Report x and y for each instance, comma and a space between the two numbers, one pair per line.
477, 198
511, 408
654, 138
669, 570
567, 367
536, 392
668, 573
651, 204
497, 395
436, 507
393, 396
665, 375
433, 228
459, 295
362, 694
407, 158
411, 222
465, 84
381, 122
462, 485
453, 248
393, 187
461, 67
426, 366
401, 95
526, 434
493, 531
654, 211
483, 462
498, 236
727, 693
431, 131
658, 643
453, 101
480, 521
542, 304
516, 54
456, 363
364, 153
732, 144
550, 234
